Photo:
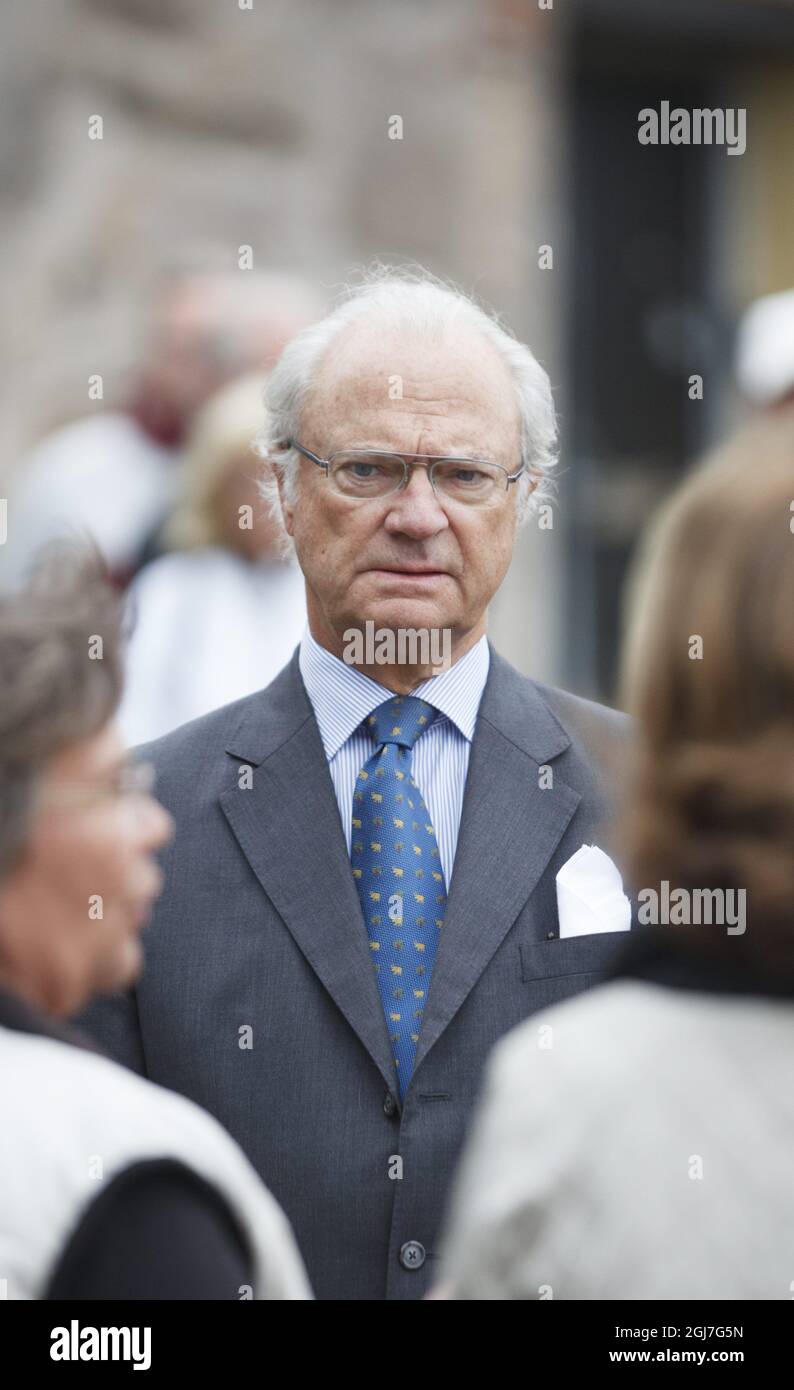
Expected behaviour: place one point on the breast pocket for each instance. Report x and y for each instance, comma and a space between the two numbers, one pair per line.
568, 965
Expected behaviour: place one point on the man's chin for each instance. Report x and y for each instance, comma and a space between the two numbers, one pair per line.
397, 616
401, 611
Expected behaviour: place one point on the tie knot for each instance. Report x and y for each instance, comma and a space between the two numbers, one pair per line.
402, 719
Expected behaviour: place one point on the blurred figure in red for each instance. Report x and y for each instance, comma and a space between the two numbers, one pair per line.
111, 475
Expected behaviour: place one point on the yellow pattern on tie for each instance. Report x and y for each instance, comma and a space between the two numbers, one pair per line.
403, 947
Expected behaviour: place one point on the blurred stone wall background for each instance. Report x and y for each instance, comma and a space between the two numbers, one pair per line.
266, 126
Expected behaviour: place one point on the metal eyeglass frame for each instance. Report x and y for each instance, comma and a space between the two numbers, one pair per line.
429, 461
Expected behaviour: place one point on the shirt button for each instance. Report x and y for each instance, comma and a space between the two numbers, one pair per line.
389, 1105
412, 1255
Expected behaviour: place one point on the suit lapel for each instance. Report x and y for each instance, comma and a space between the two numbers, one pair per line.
510, 828
288, 826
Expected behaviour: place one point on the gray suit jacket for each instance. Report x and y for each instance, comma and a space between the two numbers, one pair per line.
258, 998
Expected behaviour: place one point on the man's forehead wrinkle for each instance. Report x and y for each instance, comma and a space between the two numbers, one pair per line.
417, 407
354, 401
443, 389
368, 391
365, 349
377, 380
390, 391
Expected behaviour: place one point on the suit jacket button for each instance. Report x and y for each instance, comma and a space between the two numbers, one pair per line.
412, 1255
389, 1105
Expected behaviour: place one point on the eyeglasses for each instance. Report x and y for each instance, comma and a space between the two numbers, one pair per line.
127, 782
370, 474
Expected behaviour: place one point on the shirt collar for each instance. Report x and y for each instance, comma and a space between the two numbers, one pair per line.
343, 696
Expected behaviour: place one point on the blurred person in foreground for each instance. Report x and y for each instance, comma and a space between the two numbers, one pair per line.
364, 869
638, 1142
110, 1187
219, 616
111, 475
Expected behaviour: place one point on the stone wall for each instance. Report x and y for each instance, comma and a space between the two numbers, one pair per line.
268, 126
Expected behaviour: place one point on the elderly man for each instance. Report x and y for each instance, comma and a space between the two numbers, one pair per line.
360, 899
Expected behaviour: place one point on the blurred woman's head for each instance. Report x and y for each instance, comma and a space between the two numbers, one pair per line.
219, 502
708, 670
78, 831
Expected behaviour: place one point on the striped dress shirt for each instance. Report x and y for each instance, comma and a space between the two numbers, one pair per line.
342, 697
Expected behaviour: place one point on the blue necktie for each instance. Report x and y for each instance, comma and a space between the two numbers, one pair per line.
398, 872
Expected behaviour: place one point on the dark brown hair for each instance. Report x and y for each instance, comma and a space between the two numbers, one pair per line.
711, 803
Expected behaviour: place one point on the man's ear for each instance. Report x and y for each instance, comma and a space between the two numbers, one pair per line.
286, 509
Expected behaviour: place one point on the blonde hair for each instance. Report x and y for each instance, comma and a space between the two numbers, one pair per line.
222, 431
712, 800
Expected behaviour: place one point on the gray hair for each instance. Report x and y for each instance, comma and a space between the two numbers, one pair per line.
410, 298
51, 692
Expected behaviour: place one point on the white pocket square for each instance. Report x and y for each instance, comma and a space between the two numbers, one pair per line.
590, 895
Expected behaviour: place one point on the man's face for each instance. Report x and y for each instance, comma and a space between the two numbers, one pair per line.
362, 559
